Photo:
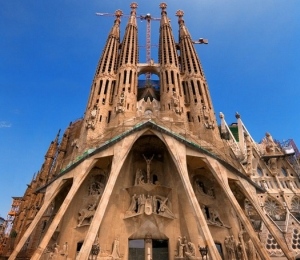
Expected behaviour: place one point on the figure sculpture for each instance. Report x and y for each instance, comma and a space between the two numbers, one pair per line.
148, 162
191, 250
139, 177
88, 213
270, 144
141, 203
163, 208
214, 217
179, 248
229, 243
133, 206
115, 251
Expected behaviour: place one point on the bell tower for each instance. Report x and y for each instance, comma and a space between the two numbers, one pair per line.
125, 101
200, 112
100, 104
170, 92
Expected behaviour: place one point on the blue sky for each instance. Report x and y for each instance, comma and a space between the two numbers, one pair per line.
49, 51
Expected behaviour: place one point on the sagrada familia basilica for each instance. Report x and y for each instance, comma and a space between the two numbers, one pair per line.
148, 173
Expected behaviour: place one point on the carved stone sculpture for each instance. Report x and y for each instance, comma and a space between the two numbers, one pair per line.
116, 249
139, 177
90, 121
121, 104
204, 189
175, 102
148, 162
270, 144
163, 208
65, 250
141, 203
86, 214
209, 124
185, 249
156, 204
191, 250
230, 245
133, 204
251, 253
179, 248
273, 164
96, 188
214, 217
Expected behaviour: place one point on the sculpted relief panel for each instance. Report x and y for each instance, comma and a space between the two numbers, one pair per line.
95, 190
147, 195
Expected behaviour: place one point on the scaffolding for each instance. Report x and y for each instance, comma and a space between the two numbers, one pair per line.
290, 149
6, 224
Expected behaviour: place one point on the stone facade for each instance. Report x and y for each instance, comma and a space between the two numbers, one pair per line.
148, 174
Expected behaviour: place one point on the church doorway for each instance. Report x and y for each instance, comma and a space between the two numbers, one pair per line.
160, 250
152, 249
136, 249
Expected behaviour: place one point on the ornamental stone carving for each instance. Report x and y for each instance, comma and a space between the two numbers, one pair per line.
149, 204
115, 254
90, 121
95, 190
175, 103
274, 210
209, 124
87, 213
230, 245
121, 104
185, 249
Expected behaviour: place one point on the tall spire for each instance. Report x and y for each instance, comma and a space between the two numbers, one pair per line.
195, 88
170, 91
126, 91
103, 86
50, 155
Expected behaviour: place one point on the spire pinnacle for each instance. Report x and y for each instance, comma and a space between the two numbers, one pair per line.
57, 136
180, 14
133, 7
163, 7
118, 14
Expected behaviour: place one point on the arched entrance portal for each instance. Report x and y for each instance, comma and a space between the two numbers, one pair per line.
146, 249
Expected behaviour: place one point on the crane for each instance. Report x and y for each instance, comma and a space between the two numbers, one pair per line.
147, 18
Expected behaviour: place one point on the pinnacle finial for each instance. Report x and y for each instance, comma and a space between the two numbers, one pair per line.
57, 136
180, 14
163, 7
237, 115
133, 5
118, 13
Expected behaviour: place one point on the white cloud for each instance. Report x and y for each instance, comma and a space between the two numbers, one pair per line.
4, 124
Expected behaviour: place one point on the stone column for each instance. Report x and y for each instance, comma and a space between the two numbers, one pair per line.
148, 248
178, 153
81, 172
219, 171
50, 195
121, 150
